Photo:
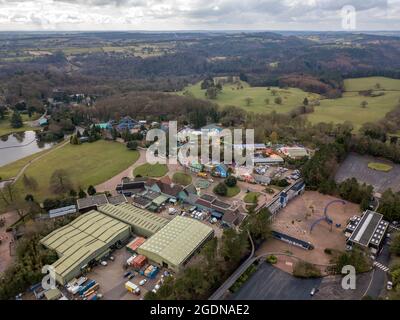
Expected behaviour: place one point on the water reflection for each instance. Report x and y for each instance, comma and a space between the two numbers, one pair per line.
19, 145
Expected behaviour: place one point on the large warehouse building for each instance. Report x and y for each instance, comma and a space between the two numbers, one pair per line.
176, 242
143, 223
89, 237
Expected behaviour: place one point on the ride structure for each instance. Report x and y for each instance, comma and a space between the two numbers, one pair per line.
326, 218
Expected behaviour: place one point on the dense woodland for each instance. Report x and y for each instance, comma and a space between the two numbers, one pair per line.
262, 59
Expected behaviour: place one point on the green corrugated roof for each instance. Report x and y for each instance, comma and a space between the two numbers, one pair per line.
160, 200
135, 216
53, 294
177, 240
87, 236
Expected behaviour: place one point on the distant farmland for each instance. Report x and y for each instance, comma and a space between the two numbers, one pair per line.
356, 166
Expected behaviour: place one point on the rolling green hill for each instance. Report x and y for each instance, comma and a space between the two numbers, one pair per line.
236, 95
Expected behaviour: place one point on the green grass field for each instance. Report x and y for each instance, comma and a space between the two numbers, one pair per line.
231, 96
5, 127
151, 170
359, 84
182, 178
380, 166
251, 197
348, 108
11, 170
86, 164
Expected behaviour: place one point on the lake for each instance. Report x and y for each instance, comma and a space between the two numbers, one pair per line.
19, 145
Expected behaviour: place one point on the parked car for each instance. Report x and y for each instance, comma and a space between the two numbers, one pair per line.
313, 291
127, 274
131, 276
103, 263
389, 285
142, 282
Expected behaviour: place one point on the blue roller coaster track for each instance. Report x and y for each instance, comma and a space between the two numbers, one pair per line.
326, 218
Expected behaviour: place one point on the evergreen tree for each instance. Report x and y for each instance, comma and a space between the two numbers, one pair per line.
16, 120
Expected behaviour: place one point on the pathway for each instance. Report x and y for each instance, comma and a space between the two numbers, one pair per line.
23, 169
110, 184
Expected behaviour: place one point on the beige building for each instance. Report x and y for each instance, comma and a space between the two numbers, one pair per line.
176, 243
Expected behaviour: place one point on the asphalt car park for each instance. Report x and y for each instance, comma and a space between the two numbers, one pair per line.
270, 283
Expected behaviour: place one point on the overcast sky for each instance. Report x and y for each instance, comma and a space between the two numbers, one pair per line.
166, 15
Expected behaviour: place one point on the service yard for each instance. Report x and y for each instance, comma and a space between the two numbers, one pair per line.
296, 219
112, 281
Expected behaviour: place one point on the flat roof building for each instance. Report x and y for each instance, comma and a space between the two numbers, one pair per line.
143, 222
368, 231
59, 212
295, 152
118, 199
87, 238
176, 242
91, 202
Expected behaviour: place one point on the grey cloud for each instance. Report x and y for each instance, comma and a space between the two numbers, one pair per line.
201, 14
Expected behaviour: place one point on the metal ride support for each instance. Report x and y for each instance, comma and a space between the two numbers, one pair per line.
326, 218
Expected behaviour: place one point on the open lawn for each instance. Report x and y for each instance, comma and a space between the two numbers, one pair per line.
380, 166
11, 170
251, 197
232, 95
182, 178
86, 164
348, 108
151, 170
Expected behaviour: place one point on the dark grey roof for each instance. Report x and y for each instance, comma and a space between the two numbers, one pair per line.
150, 194
92, 201
118, 199
142, 201
221, 204
190, 189
208, 197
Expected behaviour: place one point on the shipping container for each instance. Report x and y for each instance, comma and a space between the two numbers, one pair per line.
90, 284
139, 261
91, 289
135, 243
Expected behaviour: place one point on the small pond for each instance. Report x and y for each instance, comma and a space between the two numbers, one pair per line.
18, 145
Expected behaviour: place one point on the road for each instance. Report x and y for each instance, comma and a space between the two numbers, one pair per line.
379, 276
270, 283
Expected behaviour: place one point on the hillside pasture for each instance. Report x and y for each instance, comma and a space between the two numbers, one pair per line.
349, 107
237, 94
